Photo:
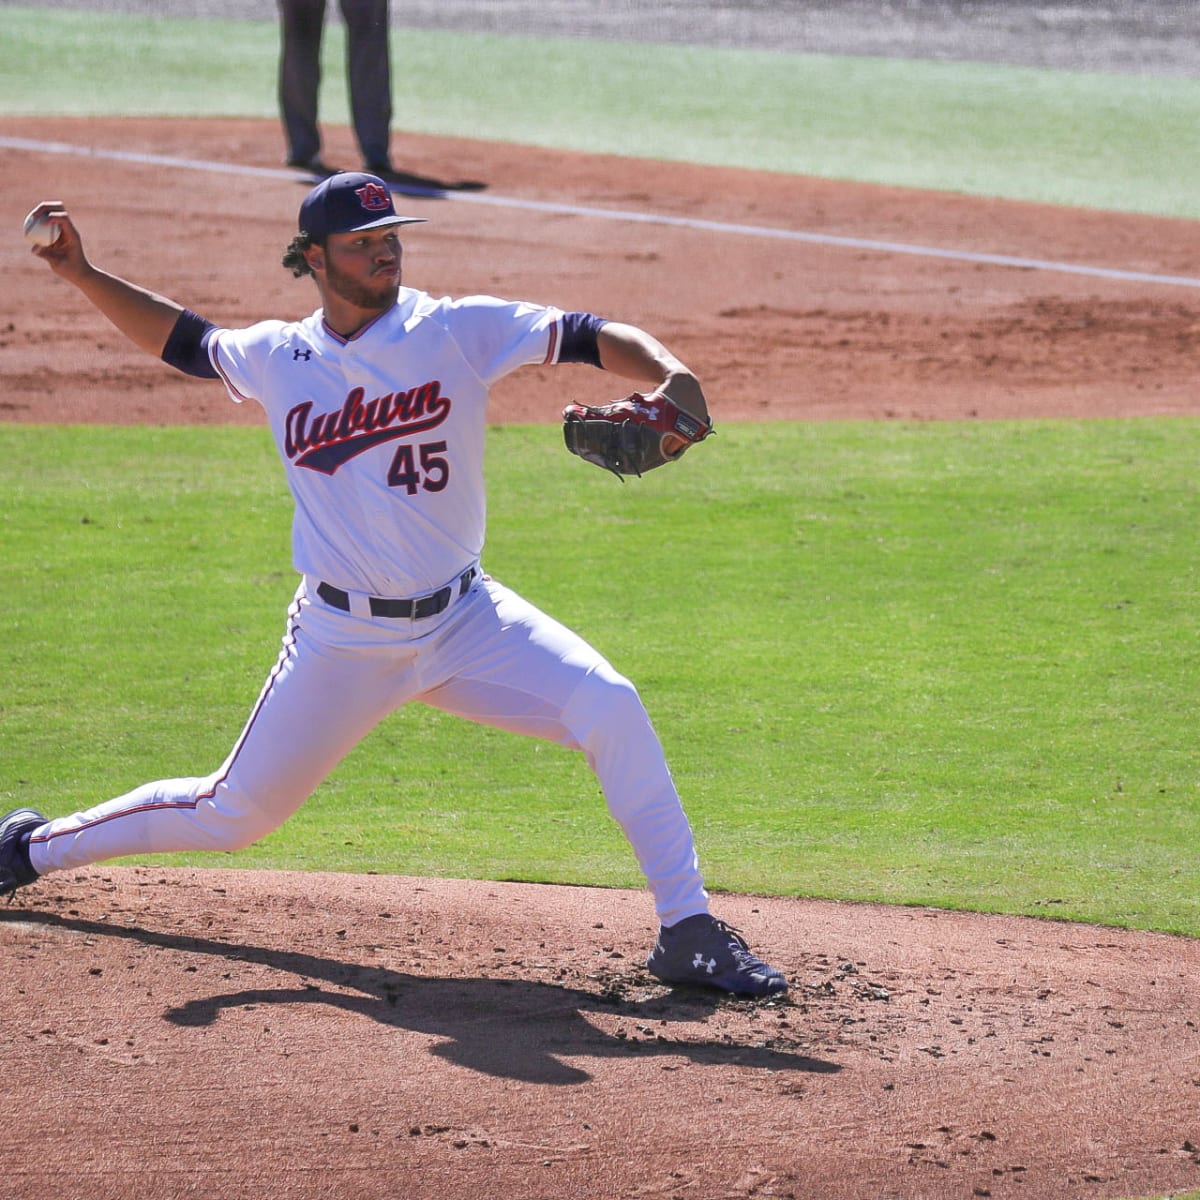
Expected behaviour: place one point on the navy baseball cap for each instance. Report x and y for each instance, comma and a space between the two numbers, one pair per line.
348, 202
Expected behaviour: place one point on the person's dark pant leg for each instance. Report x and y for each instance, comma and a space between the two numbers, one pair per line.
369, 75
302, 22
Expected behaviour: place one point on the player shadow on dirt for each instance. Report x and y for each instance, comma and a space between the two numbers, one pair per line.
409, 183
514, 1029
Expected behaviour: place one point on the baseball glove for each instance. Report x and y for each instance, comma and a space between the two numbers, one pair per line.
633, 435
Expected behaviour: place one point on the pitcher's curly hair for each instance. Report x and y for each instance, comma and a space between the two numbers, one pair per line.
293, 257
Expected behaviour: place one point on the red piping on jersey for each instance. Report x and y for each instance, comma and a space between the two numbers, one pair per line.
212, 357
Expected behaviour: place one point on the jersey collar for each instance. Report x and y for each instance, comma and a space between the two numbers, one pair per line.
405, 302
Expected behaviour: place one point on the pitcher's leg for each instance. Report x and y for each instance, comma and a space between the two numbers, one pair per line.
522, 671
606, 718
316, 705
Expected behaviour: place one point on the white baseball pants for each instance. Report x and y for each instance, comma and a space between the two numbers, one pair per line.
490, 657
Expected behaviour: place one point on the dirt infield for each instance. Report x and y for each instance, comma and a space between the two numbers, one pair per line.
176, 1033
235, 1034
778, 329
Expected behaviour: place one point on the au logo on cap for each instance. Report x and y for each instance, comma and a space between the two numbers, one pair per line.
348, 202
374, 197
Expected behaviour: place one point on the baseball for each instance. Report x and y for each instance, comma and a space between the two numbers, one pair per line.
41, 231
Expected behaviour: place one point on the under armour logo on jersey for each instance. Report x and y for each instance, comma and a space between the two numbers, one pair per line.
298, 354
374, 197
698, 962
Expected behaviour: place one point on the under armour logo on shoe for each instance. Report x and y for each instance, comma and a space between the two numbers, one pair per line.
699, 962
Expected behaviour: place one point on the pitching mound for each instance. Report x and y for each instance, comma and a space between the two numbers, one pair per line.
243, 1034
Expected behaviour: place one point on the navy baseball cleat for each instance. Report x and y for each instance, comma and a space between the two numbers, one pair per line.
704, 951
15, 868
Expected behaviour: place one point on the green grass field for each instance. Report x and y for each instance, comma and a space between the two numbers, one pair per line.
1078, 138
937, 664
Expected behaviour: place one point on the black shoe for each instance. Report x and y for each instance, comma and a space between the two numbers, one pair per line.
708, 953
15, 868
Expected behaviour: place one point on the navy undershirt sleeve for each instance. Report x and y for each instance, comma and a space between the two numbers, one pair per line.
187, 346
579, 338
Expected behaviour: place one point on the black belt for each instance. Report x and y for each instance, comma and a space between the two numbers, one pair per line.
423, 606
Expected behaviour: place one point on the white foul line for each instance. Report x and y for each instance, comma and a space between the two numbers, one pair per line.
624, 215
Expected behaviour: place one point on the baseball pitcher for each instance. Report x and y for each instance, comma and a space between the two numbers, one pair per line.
377, 406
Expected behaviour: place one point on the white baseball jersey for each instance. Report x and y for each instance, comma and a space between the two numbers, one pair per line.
382, 434
382, 441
